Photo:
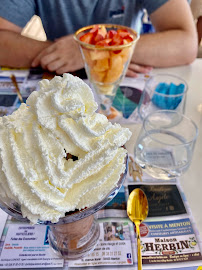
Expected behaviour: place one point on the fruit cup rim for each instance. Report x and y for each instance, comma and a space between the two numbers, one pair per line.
108, 48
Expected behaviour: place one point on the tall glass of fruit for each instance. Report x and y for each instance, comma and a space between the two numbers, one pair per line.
107, 50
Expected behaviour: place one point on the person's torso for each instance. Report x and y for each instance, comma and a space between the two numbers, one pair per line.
64, 17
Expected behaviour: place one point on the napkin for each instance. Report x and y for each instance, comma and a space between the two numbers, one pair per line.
168, 103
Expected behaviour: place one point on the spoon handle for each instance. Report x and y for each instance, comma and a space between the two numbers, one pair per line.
139, 255
13, 78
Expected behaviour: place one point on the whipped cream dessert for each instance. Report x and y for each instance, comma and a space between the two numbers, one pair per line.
57, 154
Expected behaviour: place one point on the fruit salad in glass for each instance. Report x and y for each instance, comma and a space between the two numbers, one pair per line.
107, 50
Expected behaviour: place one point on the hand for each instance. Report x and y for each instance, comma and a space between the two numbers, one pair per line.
60, 57
134, 69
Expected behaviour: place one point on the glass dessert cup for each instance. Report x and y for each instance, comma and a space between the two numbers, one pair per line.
76, 234
106, 66
163, 92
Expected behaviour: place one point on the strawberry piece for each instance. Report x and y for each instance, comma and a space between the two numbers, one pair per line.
128, 39
94, 29
102, 31
97, 38
123, 33
111, 33
87, 38
104, 42
117, 40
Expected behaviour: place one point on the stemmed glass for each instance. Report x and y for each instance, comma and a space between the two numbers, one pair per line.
165, 144
76, 234
106, 66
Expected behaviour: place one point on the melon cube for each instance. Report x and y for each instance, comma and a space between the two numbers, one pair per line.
97, 55
125, 53
115, 70
87, 57
101, 65
97, 76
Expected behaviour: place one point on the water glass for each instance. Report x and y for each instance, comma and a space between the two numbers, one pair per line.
165, 145
163, 92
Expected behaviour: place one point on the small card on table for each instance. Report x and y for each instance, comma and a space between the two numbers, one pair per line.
164, 200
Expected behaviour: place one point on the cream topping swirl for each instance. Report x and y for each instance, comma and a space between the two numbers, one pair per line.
58, 119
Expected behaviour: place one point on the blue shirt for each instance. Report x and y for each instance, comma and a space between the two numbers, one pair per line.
63, 17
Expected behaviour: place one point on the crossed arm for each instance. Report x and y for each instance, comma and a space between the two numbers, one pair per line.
175, 40
17, 50
174, 43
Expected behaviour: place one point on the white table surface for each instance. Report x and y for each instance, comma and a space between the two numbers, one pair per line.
191, 181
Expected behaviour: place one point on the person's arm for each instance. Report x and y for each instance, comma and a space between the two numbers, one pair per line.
62, 56
175, 40
199, 28
17, 50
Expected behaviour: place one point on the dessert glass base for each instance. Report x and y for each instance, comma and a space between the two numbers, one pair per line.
74, 240
76, 234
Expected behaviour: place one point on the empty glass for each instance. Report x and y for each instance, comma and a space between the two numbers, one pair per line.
165, 145
163, 92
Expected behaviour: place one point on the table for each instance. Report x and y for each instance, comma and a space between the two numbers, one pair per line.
191, 181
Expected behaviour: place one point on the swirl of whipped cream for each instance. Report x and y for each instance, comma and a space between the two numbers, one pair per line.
59, 120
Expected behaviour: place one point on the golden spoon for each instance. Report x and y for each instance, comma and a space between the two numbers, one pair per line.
16, 87
137, 210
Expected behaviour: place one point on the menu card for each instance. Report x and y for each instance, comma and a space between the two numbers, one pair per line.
3, 218
114, 247
170, 241
27, 246
164, 200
